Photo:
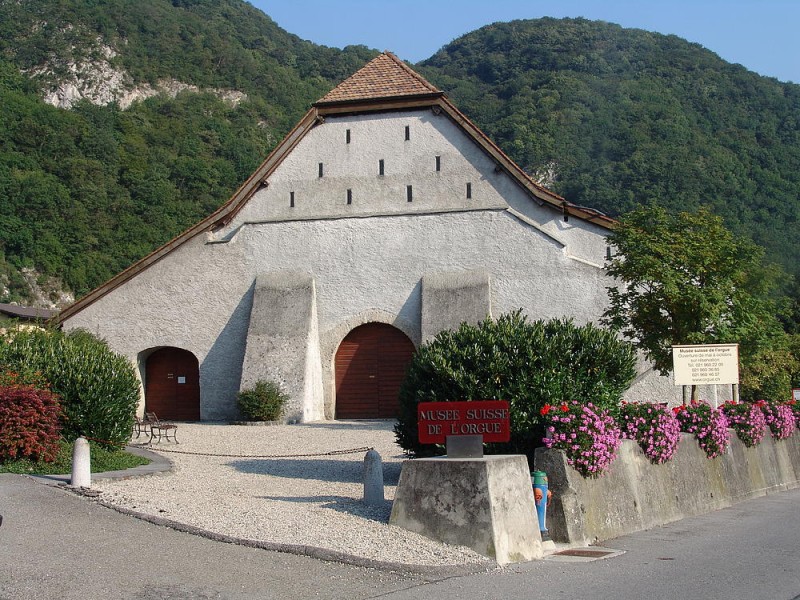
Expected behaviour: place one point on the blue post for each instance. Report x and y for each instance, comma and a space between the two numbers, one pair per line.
540, 497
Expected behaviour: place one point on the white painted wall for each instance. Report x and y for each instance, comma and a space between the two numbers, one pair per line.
367, 259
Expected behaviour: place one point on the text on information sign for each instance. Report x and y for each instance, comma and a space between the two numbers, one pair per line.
489, 418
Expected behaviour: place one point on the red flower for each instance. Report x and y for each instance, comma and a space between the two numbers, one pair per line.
677, 409
545, 410
564, 407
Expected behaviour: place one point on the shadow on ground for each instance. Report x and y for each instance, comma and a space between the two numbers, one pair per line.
342, 504
344, 471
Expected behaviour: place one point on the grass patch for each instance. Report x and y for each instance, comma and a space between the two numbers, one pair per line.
102, 460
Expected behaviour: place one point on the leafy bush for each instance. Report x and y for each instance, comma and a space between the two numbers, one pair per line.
529, 364
709, 425
747, 420
263, 402
589, 438
98, 388
654, 427
29, 423
779, 417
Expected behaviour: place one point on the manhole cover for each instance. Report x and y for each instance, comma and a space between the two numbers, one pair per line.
585, 552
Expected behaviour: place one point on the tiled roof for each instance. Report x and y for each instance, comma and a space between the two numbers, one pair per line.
383, 77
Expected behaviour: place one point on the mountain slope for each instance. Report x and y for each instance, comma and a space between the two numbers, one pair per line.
87, 191
619, 117
172, 104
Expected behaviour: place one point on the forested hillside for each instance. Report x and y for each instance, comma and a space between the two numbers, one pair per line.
622, 117
167, 106
85, 192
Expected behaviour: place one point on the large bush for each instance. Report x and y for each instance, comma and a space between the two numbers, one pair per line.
529, 364
98, 388
29, 422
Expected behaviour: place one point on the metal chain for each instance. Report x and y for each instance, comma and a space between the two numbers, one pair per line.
330, 453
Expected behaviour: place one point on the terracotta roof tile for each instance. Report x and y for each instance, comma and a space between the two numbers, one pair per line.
385, 76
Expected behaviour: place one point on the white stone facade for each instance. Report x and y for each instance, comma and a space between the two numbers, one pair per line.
341, 229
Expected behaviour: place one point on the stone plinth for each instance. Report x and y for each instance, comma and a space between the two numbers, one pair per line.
483, 503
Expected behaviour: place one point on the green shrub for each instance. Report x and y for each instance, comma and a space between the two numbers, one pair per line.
263, 402
29, 426
529, 364
98, 388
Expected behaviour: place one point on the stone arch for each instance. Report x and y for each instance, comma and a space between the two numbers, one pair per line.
369, 368
171, 383
332, 340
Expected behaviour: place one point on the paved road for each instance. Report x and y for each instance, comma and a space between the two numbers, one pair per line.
57, 545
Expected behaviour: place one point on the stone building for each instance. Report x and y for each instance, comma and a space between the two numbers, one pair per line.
382, 218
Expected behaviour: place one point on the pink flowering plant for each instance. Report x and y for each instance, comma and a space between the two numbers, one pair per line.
709, 426
589, 437
795, 406
747, 420
780, 418
653, 426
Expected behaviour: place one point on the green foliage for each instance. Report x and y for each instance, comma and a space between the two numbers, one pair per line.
86, 192
263, 402
529, 364
626, 117
98, 388
686, 279
29, 425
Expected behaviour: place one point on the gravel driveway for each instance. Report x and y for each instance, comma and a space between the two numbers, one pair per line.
294, 499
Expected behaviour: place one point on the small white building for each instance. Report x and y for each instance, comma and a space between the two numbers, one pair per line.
382, 218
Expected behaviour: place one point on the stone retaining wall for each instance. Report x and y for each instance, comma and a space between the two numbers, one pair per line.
636, 494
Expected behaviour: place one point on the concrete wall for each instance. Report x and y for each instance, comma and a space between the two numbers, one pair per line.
635, 494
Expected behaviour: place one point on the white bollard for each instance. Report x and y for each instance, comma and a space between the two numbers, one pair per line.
81, 464
373, 479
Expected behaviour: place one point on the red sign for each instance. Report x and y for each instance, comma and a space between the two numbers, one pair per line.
489, 418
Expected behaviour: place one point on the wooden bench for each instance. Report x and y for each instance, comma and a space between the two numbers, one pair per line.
160, 428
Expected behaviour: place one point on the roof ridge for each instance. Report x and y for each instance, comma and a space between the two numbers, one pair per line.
385, 76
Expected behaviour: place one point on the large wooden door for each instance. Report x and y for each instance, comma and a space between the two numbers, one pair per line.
172, 388
370, 366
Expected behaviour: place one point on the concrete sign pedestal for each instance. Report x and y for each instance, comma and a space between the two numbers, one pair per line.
483, 503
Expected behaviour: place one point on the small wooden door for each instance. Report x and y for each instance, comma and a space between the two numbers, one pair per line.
172, 388
370, 366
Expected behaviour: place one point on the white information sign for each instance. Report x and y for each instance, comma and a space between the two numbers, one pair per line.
709, 364
796, 394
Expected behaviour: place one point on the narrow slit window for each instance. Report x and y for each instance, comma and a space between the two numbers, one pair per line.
291, 199
408, 132
380, 167
409, 193
347, 136
438, 163
469, 191
349, 196
320, 169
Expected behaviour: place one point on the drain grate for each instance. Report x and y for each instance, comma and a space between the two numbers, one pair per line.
585, 553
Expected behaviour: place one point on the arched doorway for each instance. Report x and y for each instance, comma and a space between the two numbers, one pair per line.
172, 385
370, 366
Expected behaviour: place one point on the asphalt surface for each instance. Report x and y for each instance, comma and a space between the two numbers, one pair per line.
56, 544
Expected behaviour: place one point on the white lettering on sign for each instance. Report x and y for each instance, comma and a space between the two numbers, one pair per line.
710, 364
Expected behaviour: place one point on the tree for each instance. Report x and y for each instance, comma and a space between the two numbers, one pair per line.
685, 279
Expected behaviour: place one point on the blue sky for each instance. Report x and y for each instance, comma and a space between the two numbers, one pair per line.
762, 35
